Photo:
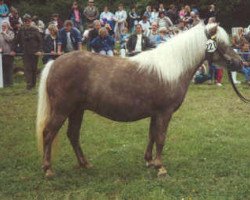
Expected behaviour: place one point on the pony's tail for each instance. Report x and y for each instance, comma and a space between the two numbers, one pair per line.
43, 108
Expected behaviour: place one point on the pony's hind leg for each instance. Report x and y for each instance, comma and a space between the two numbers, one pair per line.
75, 121
53, 125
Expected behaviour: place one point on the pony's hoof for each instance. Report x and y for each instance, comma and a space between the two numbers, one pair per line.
150, 163
162, 172
88, 166
49, 173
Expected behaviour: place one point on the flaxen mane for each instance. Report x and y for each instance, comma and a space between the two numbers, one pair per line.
173, 58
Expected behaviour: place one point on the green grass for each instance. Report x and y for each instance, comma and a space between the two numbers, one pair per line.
207, 152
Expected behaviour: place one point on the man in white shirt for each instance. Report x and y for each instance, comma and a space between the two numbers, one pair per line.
138, 42
120, 19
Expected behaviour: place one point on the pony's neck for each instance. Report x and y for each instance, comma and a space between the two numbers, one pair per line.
179, 56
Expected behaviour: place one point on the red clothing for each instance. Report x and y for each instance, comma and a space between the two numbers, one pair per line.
219, 75
77, 15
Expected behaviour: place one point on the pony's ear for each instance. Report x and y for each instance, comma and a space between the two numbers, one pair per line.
213, 30
217, 26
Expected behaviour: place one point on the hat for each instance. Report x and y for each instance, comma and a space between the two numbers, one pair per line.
91, 1
26, 16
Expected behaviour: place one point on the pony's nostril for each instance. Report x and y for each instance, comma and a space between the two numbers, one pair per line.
229, 62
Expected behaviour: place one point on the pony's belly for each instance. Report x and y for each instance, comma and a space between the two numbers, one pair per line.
121, 114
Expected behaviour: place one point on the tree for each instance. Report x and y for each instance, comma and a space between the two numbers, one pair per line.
230, 12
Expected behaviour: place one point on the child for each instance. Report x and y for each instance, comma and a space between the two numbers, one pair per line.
163, 35
123, 41
201, 76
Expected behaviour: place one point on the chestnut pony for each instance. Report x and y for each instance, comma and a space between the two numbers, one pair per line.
151, 84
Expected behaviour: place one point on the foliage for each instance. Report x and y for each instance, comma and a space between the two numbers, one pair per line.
207, 152
230, 12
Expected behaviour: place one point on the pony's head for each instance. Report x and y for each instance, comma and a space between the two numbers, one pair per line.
218, 49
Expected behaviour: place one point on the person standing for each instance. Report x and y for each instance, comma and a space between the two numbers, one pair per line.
154, 15
38, 24
211, 13
15, 20
70, 38
148, 12
56, 20
164, 21
120, 19
195, 18
107, 17
172, 13
133, 18
161, 8
4, 12
76, 16
30, 39
91, 12
6, 41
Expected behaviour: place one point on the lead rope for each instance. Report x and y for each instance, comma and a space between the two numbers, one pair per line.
245, 100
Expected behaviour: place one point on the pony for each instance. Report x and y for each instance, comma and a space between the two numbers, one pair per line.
152, 84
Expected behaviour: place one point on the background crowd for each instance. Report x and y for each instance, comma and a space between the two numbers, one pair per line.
122, 33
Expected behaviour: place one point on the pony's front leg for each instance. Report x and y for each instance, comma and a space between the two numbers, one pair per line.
151, 136
160, 129
49, 134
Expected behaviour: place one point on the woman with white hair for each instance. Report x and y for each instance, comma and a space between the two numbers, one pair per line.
6, 39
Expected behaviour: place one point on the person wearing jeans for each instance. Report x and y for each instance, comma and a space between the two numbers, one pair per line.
69, 38
104, 43
216, 73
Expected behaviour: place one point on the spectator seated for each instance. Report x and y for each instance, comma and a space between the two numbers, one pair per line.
104, 43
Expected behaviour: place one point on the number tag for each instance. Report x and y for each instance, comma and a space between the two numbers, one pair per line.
211, 46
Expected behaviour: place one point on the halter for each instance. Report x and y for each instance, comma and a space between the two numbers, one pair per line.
211, 48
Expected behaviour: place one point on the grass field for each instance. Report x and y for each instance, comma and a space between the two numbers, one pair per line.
207, 153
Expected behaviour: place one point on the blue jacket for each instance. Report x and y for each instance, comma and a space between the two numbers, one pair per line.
75, 36
4, 10
99, 44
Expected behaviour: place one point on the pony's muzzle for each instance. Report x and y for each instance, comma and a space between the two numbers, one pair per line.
234, 65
